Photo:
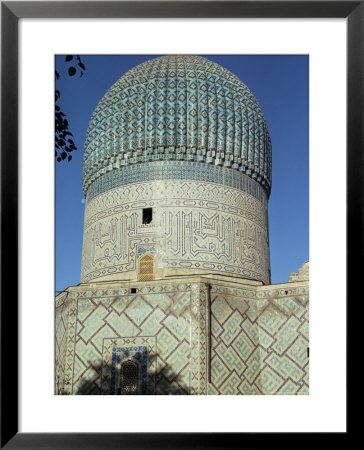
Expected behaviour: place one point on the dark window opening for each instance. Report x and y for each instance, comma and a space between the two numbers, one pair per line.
147, 215
308, 352
133, 290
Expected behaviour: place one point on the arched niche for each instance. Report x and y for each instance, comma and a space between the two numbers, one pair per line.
146, 267
129, 379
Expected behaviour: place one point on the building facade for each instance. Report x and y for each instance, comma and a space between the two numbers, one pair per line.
175, 294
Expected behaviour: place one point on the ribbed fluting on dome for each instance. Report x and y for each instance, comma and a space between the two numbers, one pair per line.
178, 108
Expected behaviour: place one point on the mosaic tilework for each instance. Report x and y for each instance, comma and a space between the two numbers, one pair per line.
174, 170
199, 339
259, 345
180, 108
142, 249
61, 321
199, 321
65, 322
115, 350
111, 318
195, 225
135, 383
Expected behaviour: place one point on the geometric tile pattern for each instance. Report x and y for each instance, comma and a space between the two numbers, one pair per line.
61, 323
116, 350
178, 107
168, 322
258, 346
176, 170
65, 321
198, 226
199, 339
138, 381
190, 338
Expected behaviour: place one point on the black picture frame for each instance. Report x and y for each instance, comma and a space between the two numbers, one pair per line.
11, 12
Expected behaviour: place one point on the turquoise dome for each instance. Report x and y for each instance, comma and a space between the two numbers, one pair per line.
178, 108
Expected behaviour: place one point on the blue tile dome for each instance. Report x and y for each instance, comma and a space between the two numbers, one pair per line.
178, 108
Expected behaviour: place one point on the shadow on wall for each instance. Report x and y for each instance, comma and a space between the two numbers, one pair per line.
166, 381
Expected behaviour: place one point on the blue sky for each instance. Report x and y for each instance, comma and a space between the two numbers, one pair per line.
279, 82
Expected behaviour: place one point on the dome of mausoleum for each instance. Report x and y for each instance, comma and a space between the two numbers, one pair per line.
178, 108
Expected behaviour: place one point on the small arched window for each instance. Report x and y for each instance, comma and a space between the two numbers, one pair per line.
129, 377
146, 267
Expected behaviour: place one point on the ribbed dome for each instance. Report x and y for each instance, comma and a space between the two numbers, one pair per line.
178, 108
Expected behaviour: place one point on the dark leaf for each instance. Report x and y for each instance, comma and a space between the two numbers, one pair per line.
71, 71
63, 144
